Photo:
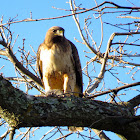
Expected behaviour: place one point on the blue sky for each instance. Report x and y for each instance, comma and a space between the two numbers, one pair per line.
34, 33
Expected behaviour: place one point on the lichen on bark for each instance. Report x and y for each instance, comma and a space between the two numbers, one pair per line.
21, 110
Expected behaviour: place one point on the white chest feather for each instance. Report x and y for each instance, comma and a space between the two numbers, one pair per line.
56, 60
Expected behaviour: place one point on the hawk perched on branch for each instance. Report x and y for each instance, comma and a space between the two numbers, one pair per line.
58, 63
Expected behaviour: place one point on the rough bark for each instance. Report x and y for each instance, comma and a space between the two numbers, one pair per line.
21, 110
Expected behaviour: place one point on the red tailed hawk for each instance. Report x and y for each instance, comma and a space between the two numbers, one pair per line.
58, 63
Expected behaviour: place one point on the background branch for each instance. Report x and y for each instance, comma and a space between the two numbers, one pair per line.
115, 89
18, 65
80, 30
84, 11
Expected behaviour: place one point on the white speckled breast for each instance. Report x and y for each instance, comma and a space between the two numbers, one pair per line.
55, 59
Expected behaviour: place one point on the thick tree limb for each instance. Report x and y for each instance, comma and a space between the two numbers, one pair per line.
21, 110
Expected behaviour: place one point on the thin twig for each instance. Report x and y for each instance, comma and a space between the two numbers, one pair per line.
25, 133
129, 17
64, 136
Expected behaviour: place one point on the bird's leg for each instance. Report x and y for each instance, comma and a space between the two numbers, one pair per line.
65, 86
68, 84
46, 84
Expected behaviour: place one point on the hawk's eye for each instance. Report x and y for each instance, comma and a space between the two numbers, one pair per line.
54, 31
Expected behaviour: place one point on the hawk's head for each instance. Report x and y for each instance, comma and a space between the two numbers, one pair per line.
54, 34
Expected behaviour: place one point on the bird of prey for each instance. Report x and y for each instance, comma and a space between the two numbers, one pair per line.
59, 64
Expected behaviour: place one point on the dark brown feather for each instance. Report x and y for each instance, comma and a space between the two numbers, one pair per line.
39, 62
78, 69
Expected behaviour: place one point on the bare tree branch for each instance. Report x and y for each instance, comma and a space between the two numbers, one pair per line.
115, 90
135, 101
80, 30
18, 79
12, 132
2, 52
101, 134
84, 11
125, 44
4, 135
128, 17
105, 56
14, 60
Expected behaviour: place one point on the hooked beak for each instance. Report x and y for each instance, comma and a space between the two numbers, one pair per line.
59, 33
